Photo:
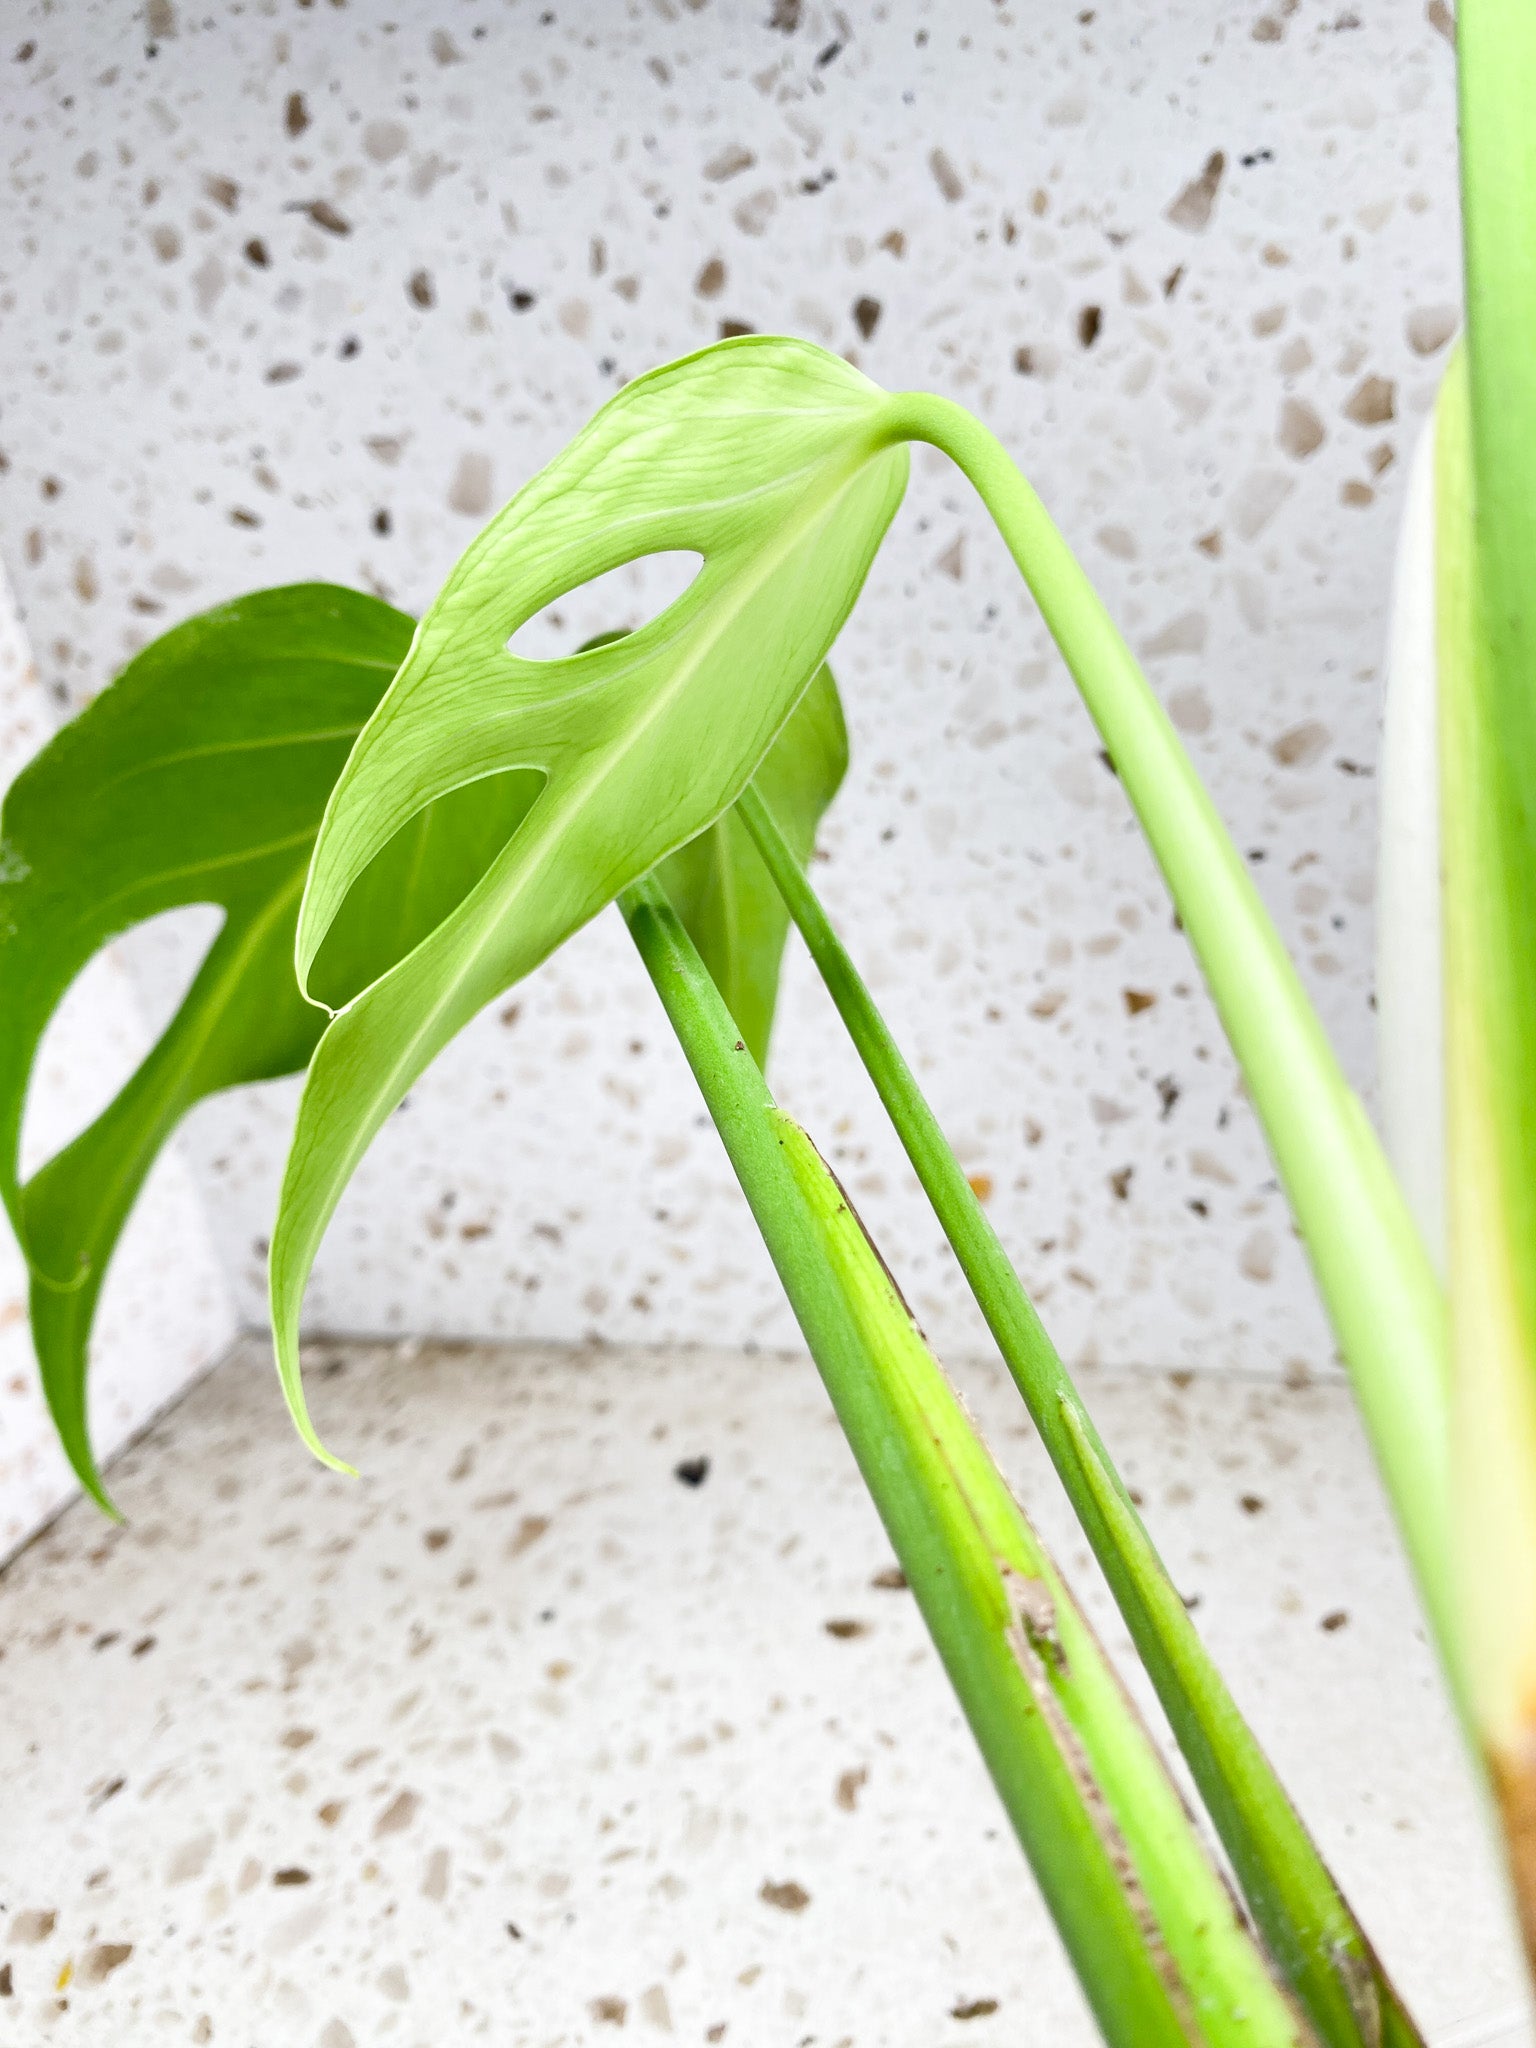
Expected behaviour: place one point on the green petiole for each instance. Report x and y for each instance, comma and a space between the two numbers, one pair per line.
1289, 1888
1162, 1956
1372, 1268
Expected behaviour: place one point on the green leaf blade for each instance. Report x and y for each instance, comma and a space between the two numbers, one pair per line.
770, 459
199, 776
170, 789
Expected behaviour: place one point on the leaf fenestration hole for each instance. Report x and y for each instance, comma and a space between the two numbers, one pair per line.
622, 599
418, 879
111, 1014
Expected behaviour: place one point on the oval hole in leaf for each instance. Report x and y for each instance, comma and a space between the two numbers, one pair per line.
620, 600
418, 879
108, 1019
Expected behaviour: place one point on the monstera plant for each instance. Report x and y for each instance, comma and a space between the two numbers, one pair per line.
401, 822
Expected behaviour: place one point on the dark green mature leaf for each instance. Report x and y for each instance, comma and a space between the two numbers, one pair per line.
718, 883
200, 776
778, 464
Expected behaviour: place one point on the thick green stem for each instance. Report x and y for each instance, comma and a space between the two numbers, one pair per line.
1371, 1265
1485, 517
1151, 1932
1294, 1899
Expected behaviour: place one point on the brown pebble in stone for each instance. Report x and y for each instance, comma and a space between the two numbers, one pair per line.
398, 1815
787, 1896
470, 491
527, 1533
1372, 402
729, 162
1301, 432
866, 316
99, 1962
945, 176
324, 215
1300, 745
1193, 207
1429, 328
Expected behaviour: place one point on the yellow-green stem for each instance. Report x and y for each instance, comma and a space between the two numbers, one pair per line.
1372, 1267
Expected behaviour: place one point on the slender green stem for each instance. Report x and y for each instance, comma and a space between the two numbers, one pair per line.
1371, 1265
1161, 1956
1294, 1899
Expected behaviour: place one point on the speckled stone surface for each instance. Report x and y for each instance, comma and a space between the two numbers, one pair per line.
167, 1311
523, 1739
302, 290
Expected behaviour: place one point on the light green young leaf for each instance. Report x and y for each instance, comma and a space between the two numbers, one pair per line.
198, 777
719, 885
771, 460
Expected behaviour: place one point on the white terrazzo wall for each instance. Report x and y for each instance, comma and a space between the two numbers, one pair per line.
308, 289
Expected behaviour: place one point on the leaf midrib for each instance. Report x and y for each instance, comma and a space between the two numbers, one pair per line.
231, 747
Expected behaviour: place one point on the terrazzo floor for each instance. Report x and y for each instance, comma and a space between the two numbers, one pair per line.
586, 1713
